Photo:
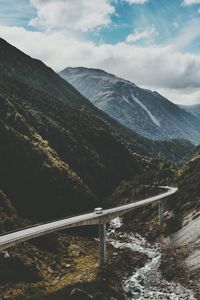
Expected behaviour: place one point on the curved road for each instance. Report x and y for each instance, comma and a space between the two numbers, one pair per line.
11, 239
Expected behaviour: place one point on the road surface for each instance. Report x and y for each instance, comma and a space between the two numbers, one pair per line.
11, 239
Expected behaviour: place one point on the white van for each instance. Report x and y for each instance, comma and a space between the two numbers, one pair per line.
98, 210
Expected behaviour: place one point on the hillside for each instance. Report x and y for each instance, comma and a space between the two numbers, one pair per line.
25, 71
179, 235
60, 155
145, 112
58, 151
188, 182
185, 204
78, 151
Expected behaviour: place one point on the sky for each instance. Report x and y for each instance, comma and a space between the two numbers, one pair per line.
153, 43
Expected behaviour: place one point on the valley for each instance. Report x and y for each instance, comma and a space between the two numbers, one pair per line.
95, 141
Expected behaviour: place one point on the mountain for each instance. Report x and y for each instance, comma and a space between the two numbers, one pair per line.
146, 112
193, 109
59, 154
58, 150
175, 150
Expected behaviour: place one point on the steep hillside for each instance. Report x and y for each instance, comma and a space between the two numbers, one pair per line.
146, 112
25, 71
175, 150
58, 151
185, 204
189, 189
180, 232
78, 151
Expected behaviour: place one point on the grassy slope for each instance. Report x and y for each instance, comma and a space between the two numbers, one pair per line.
58, 151
76, 152
33, 73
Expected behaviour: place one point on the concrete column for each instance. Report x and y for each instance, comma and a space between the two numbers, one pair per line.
102, 244
161, 211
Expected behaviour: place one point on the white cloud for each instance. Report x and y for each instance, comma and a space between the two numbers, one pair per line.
72, 14
55, 48
187, 96
162, 68
148, 34
190, 2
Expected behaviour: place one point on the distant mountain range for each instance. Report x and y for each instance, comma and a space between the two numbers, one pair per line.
145, 112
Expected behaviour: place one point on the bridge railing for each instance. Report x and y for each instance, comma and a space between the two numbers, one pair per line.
68, 216
42, 223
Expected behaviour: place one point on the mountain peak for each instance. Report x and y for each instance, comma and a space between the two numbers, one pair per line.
144, 111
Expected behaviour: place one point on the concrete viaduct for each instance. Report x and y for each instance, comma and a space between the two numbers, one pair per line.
14, 238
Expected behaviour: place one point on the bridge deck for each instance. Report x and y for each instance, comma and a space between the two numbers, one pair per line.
20, 236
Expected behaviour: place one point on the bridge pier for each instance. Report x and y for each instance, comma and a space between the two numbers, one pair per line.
161, 211
102, 244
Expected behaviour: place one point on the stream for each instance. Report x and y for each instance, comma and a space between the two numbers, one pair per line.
146, 282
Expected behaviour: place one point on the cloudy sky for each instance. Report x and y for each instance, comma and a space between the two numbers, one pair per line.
154, 43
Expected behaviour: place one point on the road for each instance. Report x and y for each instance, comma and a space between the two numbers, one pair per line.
11, 239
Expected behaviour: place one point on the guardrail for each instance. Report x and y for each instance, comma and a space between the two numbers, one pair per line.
25, 234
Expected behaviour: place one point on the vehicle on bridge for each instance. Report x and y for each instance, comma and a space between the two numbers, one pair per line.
98, 210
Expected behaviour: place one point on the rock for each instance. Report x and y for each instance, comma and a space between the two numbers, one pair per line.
78, 294
67, 266
5, 254
76, 253
49, 269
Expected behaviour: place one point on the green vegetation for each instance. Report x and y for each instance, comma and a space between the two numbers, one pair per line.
59, 156
186, 202
188, 198
32, 273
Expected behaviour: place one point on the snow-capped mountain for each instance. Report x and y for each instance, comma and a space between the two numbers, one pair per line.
144, 111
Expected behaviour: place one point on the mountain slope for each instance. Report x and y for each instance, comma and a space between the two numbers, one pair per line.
31, 172
143, 111
193, 109
189, 194
57, 150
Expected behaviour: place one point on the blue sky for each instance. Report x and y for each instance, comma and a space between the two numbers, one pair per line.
155, 43
167, 16
164, 15
16, 12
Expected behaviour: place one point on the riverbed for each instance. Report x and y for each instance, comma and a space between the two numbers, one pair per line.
146, 282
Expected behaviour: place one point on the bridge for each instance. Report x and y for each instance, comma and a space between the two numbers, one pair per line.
14, 238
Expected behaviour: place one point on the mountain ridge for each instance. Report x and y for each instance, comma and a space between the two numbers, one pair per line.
66, 137
145, 112
66, 151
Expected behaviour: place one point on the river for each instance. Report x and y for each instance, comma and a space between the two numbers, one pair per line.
146, 282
